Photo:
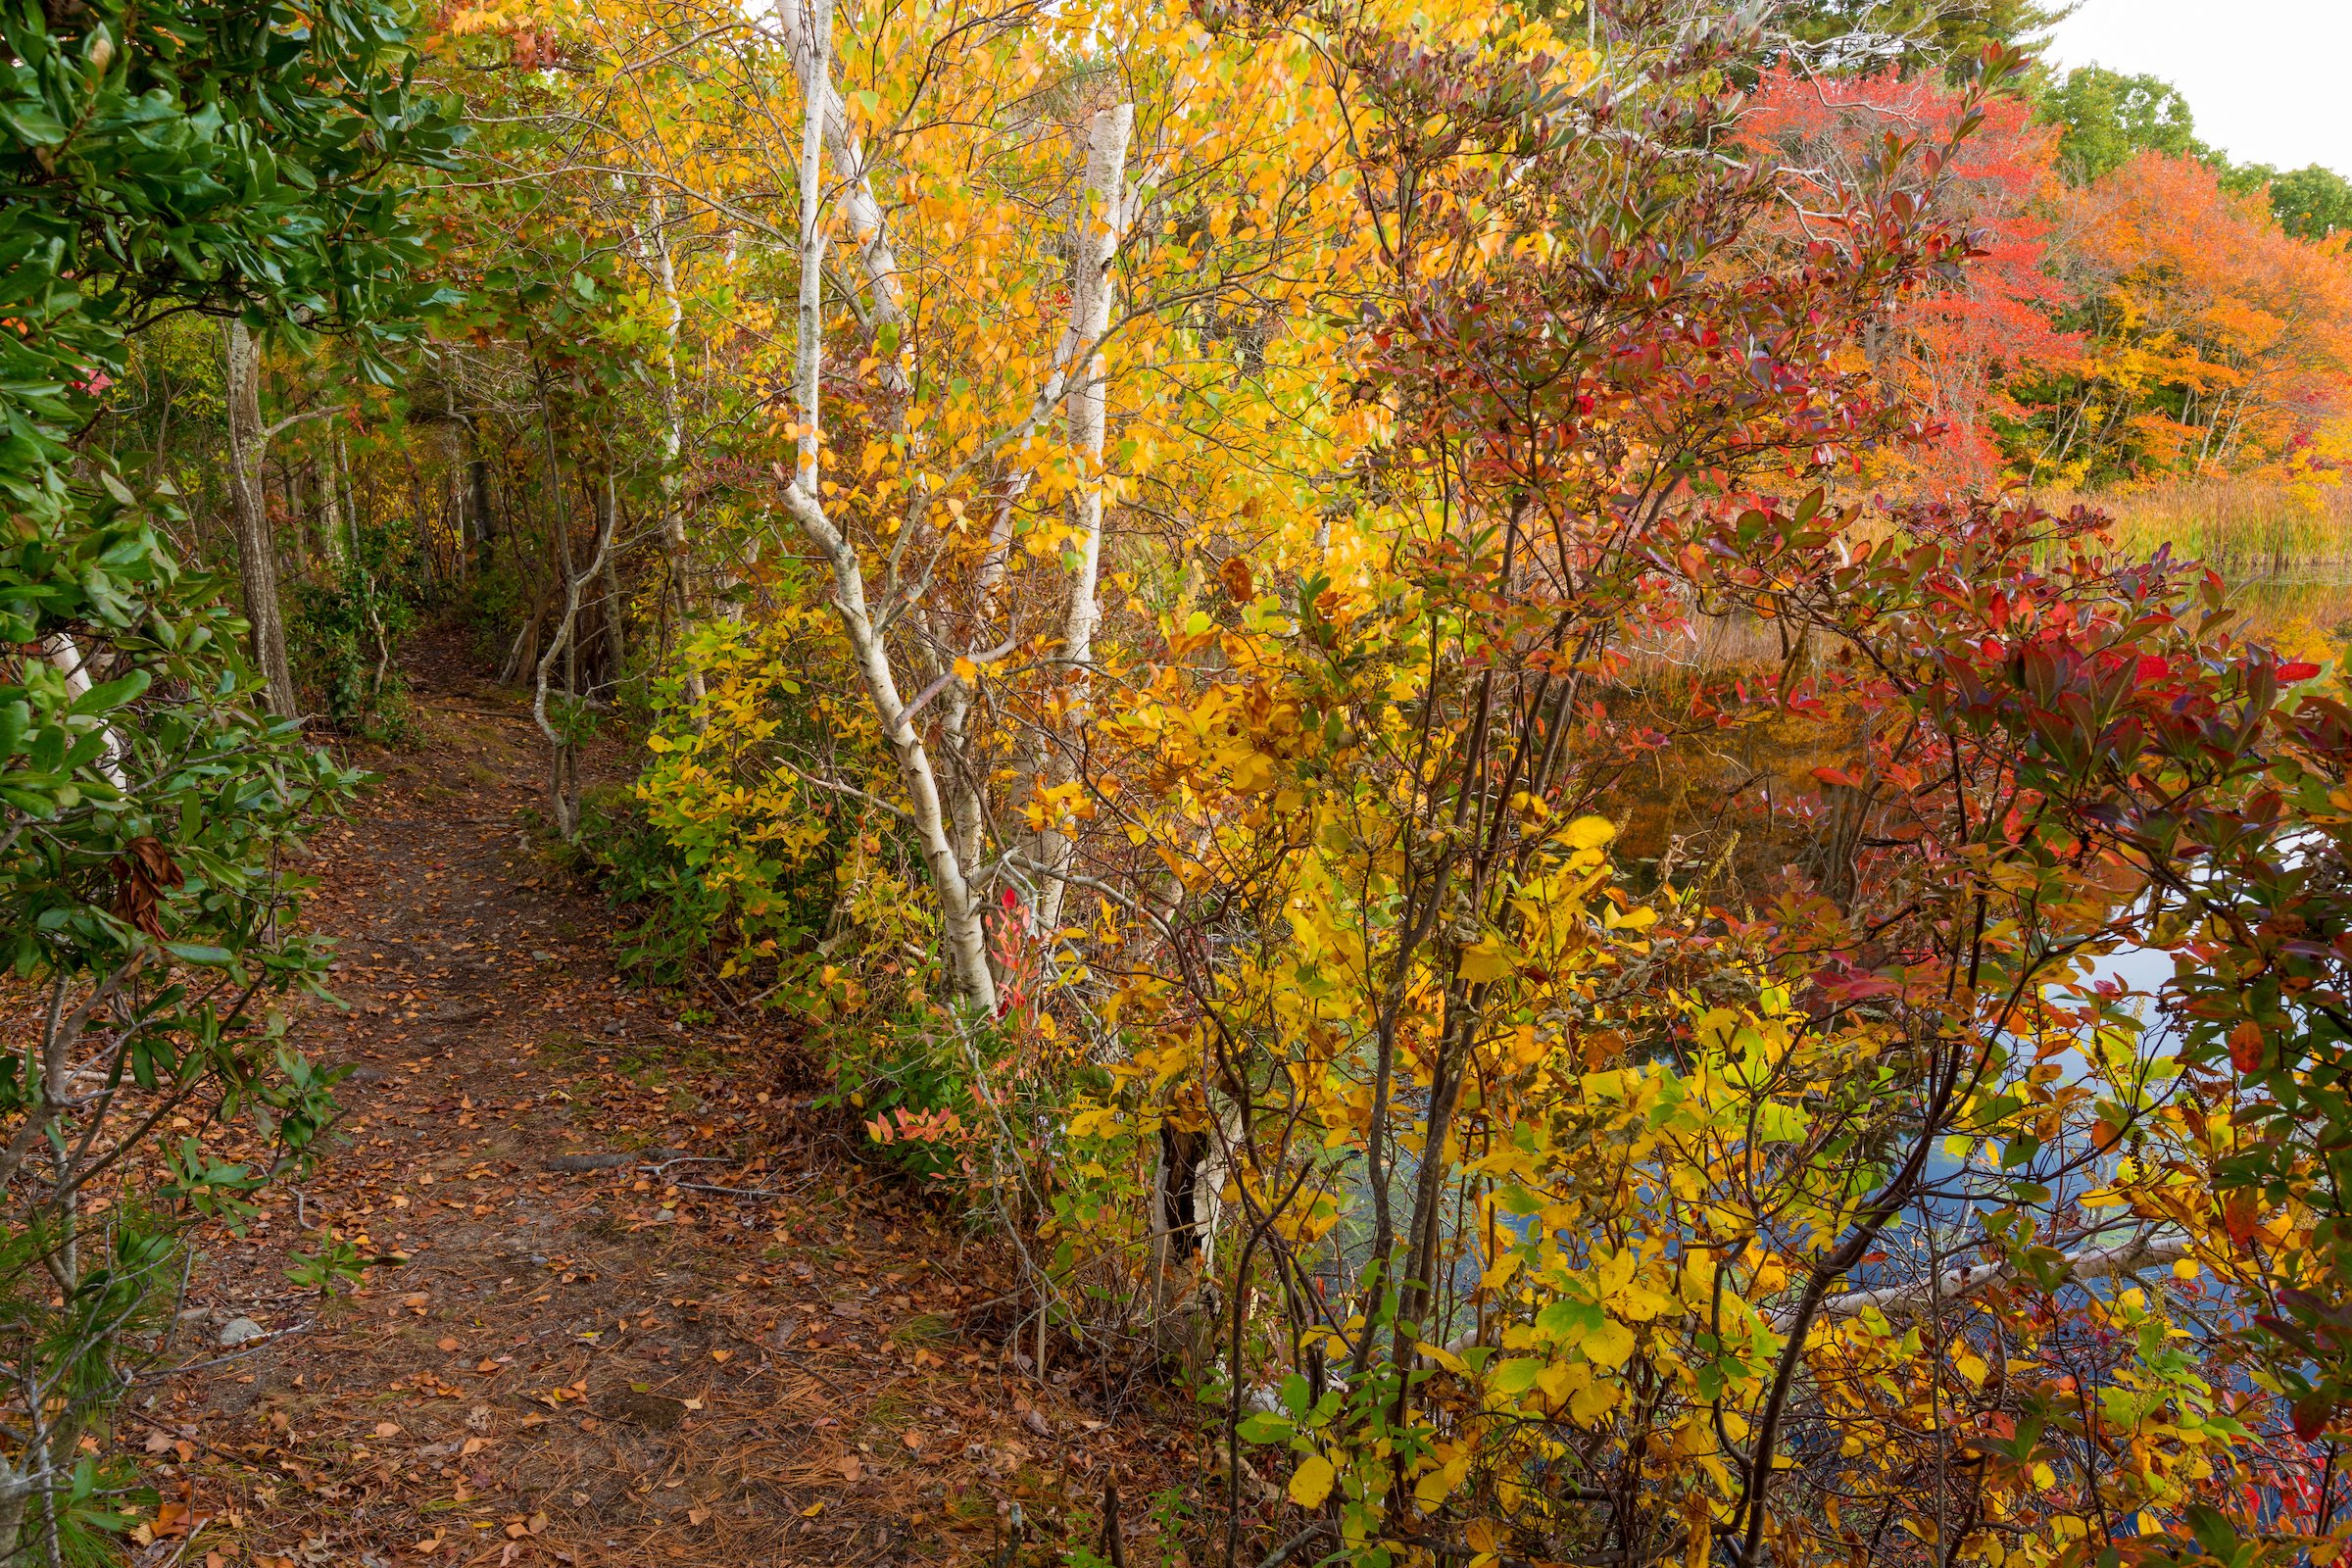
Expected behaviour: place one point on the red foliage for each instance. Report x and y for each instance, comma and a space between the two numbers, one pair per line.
1962, 348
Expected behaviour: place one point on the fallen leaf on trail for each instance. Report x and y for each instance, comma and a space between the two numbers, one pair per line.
387, 1429
912, 1440
473, 1446
696, 1514
720, 1356
813, 1509
445, 1346
850, 1469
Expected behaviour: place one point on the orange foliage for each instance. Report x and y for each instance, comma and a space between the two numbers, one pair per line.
2221, 343
1963, 350
2147, 326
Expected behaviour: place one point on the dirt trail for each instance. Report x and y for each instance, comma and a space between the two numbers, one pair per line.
714, 1336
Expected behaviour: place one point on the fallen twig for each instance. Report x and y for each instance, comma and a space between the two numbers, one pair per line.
243, 1351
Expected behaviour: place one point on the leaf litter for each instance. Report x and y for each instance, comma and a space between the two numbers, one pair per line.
654, 1309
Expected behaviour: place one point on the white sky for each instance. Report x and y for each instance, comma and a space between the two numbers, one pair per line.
2266, 78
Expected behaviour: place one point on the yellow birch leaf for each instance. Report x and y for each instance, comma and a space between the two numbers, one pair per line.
1311, 1481
1611, 1347
1590, 832
1487, 958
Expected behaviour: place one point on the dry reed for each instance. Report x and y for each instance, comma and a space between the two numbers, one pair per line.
2239, 525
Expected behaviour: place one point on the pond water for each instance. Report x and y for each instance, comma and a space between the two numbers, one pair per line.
2313, 602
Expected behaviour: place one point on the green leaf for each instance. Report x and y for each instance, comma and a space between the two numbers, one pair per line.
1517, 1375
1265, 1427
113, 695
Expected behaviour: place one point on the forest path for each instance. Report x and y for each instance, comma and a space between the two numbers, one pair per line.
753, 1358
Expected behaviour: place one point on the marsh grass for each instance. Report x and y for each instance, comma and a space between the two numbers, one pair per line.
2245, 527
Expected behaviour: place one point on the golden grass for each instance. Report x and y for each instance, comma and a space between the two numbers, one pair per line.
2240, 526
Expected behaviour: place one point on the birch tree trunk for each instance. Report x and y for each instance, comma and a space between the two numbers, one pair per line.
859, 205
257, 544
683, 599
66, 655
1102, 221
961, 922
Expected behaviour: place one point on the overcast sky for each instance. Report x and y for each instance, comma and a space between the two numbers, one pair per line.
2266, 78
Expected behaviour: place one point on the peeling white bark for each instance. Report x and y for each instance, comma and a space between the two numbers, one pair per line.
1104, 210
654, 241
960, 915
859, 209
66, 655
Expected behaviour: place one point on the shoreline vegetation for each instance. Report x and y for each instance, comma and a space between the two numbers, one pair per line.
2258, 530
1362, 682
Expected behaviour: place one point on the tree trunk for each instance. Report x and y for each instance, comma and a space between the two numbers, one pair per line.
616, 635
683, 598
563, 776
330, 508
485, 521
256, 543
959, 901
1102, 219
867, 224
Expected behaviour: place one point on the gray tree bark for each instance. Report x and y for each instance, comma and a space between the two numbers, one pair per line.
257, 542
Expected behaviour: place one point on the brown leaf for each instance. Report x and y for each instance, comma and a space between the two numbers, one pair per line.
141, 872
1240, 586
